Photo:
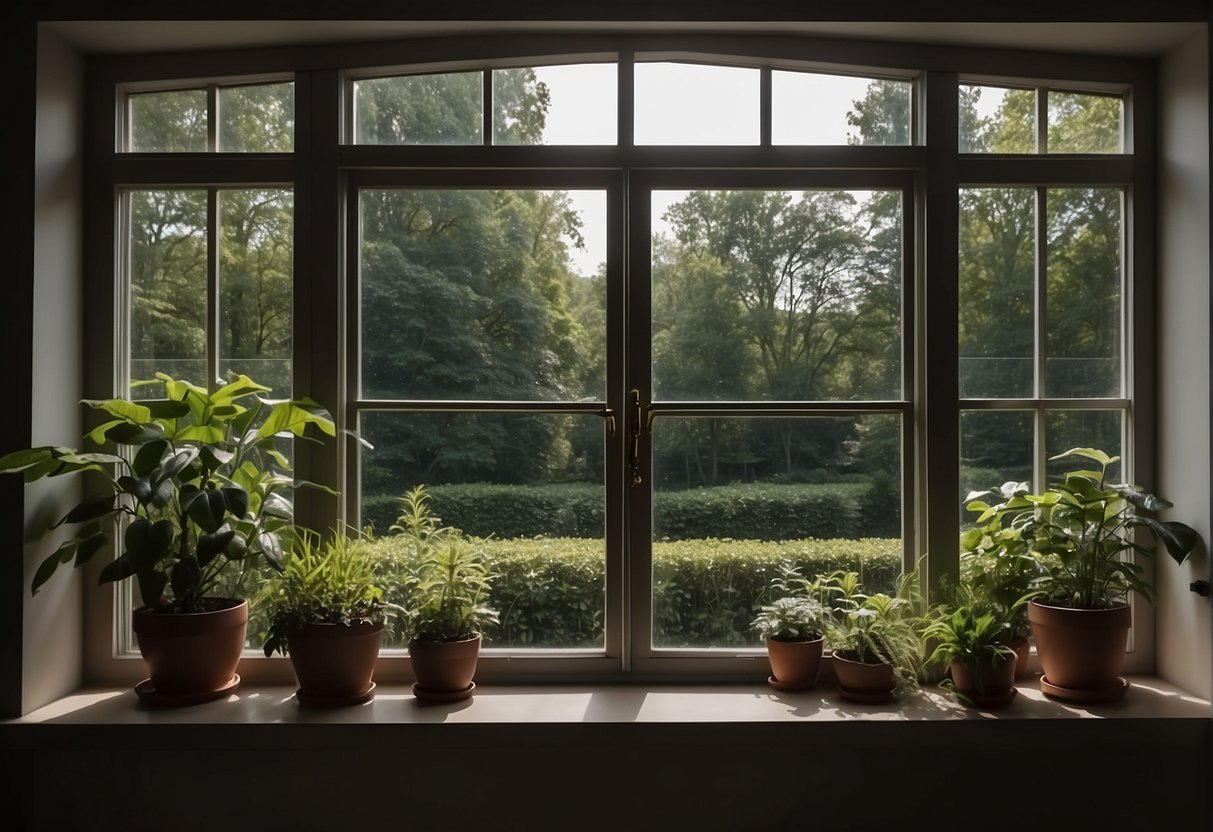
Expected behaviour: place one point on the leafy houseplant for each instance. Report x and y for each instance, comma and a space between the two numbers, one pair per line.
449, 584
1079, 531
877, 647
975, 644
1000, 573
793, 627
328, 614
193, 487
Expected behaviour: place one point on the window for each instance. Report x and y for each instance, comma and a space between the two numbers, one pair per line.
650, 326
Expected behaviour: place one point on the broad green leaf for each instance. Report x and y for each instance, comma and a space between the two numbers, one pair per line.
236, 499
237, 547
167, 408
1140, 498
186, 574
206, 434
92, 508
46, 569
216, 457
1178, 538
279, 458
98, 434
275, 505
16, 461
294, 417
129, 434
211, 545
123, 409
151, 586
271, 548
148, 542
1090, 453
89, 546
149, 457
175, 463
241, 386
118, 569
206, 508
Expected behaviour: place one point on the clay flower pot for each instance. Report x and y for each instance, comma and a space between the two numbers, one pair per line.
794, 664
992, 685
334, 663
191, 657
1081, 651
444, 669
863, 682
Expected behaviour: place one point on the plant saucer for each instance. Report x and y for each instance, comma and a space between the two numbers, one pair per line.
436, 697
784, 687
1112, 693
147, 693
312, 700
882, 697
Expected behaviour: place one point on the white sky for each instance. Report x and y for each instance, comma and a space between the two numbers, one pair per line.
685, 104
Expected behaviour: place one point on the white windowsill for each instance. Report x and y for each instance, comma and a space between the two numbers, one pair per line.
1147, 698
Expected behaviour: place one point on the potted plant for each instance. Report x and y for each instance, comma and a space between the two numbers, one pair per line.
448, 591
1079, 531
192, 486
877, 647
1000, 572
793, 629
975, 645
327, 613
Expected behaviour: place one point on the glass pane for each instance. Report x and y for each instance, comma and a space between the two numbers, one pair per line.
996, 446
808, 108
734, 499
480, 294
526, 490
574, 104
695, 104
1066, 429
259, 118
420, 109
167, 286
997, 120
256, 250
1083, 327
168, 122
777, 295
997, 292
1081, 123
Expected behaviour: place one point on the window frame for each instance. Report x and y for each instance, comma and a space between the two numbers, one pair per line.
321, 169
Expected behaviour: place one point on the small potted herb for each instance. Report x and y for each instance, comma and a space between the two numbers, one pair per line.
975, 645
793, 629
327, 614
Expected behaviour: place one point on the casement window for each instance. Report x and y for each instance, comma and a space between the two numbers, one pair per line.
652, 319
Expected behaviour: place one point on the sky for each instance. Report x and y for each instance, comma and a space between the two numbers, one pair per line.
685, 104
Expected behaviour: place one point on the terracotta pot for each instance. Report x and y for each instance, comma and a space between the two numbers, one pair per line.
444, 666
991, 682
794, 664
1023, 650
1080, 649
188, 654
863, 681
334, 660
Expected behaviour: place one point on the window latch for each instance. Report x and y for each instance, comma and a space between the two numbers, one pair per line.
637, 427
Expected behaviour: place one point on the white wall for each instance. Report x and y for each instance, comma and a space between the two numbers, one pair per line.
1184, 651
51, 663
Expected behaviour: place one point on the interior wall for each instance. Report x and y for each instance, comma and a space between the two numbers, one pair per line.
51, 662
1184, 643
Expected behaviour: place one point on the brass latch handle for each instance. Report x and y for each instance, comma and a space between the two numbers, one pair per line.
637, 427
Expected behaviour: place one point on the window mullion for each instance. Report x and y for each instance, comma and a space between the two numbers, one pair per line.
212, 287
1042, 329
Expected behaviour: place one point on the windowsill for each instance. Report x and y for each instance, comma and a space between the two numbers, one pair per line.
1147, 698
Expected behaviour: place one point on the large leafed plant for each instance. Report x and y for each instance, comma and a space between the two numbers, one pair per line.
191, 483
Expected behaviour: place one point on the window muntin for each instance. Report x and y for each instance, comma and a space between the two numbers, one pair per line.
433, 109
815, 109
696, 104
576, 105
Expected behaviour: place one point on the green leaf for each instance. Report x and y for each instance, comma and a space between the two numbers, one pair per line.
294, 417
47, 568
148, 542
91, 509
1178, 538
89, 546
123, 409
151, 586
186, 575
1140, 498
239, 387
118, 569
167, 408
216, 457
149, 457
206, 508
129, 434
211, 545
206, 434
236, 499
16, 461
275, 505
271, 548
1089, 453
175, 463
98, 434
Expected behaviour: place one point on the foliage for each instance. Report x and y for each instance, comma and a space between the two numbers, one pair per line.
970, 636
878, 627
329, 581
998, 569
1078, 530
449, 576
797, 614
196, 480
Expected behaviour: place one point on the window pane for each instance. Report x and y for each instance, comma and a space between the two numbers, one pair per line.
809, 108
997, 120
168, 122
167, 286
255, 280
1066, 429
734, 499
420, 109
527, 490
1080, 123
480, 295
777, 295
997, 292
259, 118
695, 104
995, 447
1083, 326
574, 104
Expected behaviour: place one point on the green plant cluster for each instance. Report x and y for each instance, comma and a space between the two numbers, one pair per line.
746, 511
330, 581
878, 627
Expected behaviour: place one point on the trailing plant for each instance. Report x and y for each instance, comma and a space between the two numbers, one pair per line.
1079, 531
194, 481
878, 627
324, 581
450, 577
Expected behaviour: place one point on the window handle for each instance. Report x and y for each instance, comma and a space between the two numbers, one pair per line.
637, 429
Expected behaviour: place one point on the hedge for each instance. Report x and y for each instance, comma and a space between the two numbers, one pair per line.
550, 591
749, 511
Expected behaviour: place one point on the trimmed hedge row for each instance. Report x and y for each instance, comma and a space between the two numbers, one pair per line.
550, 591
750, 511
